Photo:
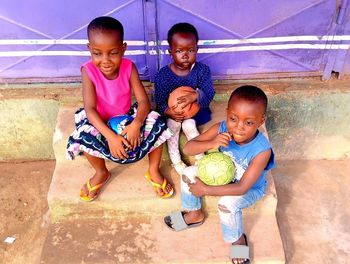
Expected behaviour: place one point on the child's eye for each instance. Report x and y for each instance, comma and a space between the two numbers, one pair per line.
233, 119
96, 53
250, 123
178, 51
114, 53
191, 50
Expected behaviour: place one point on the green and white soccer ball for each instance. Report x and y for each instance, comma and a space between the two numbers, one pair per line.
216, 168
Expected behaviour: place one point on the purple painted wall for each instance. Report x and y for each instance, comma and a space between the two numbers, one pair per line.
58, 21
288, 38
238, 39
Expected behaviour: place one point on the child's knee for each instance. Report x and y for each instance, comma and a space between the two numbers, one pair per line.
227, 204
189, 174
173, 125
223, 209
172, 122
188, 125
185, 179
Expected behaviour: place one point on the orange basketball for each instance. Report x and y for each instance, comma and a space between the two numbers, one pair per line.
191, 109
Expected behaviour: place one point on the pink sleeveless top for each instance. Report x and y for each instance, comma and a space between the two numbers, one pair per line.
113, 97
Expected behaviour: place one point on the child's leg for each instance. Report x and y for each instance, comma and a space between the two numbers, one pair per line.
173, 146
100, 176
230, 212
192, 215
190, 130
190, 203
154, 158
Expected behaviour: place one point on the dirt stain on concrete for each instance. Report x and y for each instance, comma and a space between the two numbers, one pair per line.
99, 241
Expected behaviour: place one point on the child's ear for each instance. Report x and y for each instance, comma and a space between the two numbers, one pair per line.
263, 119
124, 46
169, 50
88, 46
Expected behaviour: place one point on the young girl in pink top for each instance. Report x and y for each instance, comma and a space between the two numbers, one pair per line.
108, 83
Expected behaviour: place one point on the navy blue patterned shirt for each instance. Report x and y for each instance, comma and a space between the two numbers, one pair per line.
199, 79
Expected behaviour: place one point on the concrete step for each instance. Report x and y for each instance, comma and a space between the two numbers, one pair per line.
145, 239
125, 223
125, 190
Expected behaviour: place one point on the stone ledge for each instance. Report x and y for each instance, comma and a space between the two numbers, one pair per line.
127, 192
127, 198
122, 194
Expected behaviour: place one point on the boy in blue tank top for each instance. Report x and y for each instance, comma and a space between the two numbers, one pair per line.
251, 152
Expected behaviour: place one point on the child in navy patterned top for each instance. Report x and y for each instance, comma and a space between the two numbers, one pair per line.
184, 71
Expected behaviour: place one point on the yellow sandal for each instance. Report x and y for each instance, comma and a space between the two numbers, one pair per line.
98, 187
157, 186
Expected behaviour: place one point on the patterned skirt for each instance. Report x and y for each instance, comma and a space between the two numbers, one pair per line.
86, 138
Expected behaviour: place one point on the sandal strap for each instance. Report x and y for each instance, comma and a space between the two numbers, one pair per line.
239, 251
178, 221
165, 182
94, 188
154, 184
162, 186
97, 186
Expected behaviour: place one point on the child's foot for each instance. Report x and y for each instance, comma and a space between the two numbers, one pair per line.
242, 241
162, 187
194, 217
179, 167
182, 220
96, 183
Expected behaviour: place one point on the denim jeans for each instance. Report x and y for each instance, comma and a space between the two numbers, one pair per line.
231, 216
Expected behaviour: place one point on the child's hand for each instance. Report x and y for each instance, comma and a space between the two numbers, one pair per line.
221, 140
132, 132
198, 188
187, 99
177, 115
116, 144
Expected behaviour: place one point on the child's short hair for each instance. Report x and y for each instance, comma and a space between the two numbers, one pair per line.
106, 23
250, 93
182, 28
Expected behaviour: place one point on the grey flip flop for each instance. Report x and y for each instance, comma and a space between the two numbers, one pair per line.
240, 251
175, 221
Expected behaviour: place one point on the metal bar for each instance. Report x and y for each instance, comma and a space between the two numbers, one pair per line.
342, 9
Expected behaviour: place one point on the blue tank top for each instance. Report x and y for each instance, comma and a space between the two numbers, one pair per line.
242, 155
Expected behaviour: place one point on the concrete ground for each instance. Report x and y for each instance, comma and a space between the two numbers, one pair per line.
313, 210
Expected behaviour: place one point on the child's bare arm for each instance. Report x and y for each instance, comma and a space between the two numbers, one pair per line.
133, 130
250, 176
210, 139
139, 91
